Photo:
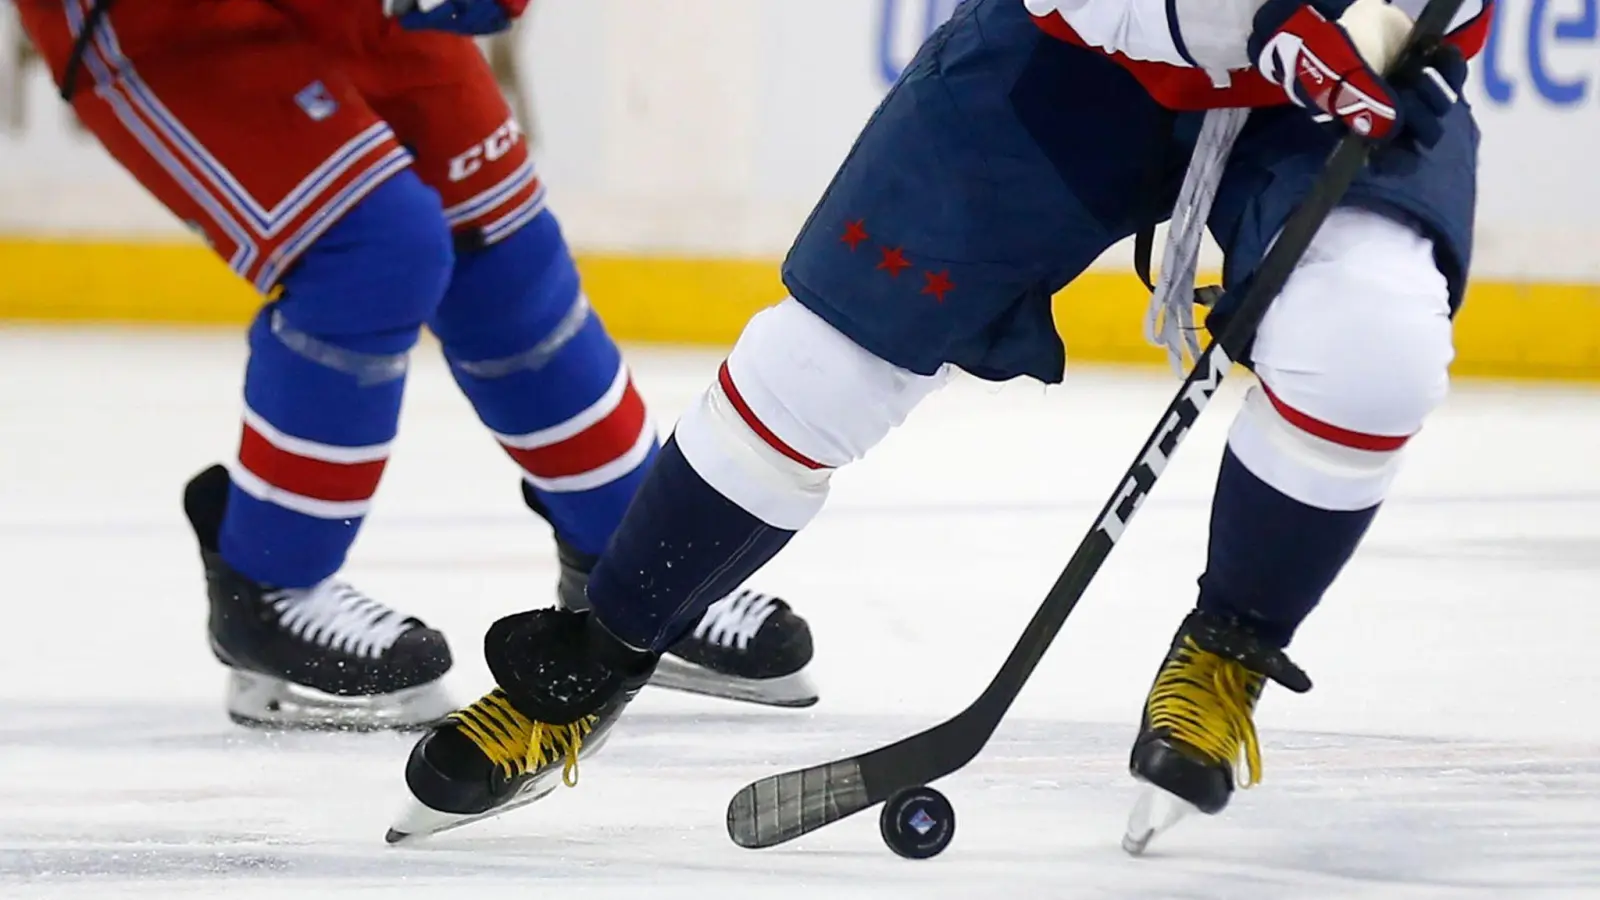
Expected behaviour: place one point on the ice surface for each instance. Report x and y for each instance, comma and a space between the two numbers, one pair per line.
1450, 749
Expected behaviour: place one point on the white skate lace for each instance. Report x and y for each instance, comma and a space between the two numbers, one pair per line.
735, 619
337, 616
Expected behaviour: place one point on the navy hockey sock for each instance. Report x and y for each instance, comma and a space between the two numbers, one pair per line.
1272, 557
682, 547
543, 375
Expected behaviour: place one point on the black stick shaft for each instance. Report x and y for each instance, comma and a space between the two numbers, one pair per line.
782, 807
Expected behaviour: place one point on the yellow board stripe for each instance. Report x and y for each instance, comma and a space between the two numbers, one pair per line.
1508, 329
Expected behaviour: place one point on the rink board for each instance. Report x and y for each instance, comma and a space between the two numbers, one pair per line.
1508, 330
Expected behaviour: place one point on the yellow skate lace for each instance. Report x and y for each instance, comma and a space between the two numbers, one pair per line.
1205, 702
518, 744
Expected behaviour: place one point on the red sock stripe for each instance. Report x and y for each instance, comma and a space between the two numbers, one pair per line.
306, 476
600, 443
1332, 433
755, 424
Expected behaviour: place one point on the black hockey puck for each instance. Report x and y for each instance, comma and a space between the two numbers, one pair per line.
917, 823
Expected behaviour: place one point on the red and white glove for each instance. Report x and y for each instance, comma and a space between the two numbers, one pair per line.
1332, 67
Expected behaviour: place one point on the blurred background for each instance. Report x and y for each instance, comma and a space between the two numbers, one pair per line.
1449, 750
683, 144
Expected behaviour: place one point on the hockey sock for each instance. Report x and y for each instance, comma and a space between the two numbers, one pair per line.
543, 375
748, 466
323, 385
1350, 360
682, 547
318, 420
1272, 557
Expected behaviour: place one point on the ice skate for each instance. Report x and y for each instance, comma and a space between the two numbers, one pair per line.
323, 657
748, 646
564, 682
1197, 724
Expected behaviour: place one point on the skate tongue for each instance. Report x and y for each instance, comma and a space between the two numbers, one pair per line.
1230, 640
1281, 670
545, 662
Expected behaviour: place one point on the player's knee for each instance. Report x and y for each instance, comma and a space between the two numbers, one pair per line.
1352, 358
378, 273
795, 400
515, 294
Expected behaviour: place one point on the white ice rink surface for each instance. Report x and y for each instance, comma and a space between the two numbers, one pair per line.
1450, 749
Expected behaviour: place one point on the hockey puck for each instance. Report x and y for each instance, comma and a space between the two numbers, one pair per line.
917, 823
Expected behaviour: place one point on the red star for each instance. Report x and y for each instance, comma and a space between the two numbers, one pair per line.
854, 233
894, 261
937, 284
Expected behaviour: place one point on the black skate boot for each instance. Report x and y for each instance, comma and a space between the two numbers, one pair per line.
564, 682
323, 657
1198, 723
748, 646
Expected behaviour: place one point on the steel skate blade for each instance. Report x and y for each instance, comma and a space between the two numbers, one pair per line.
418, 821
1154, 814
261, 701
791, 691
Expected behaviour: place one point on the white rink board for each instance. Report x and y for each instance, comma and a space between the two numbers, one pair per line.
1449, 750
711, 126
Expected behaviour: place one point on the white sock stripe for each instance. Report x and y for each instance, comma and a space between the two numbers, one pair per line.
555, 434
1328, 454
736, 428
603, 474
1305, 467
312, 449
255, 486
739, 465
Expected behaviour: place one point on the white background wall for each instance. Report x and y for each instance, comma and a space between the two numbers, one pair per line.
710, 126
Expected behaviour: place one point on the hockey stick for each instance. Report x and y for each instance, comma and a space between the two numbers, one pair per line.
783, 807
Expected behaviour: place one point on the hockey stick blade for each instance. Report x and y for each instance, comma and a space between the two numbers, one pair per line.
780, 808
783, 807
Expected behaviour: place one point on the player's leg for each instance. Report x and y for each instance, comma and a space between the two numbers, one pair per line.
539, 368
308, 194
901, 274
549, 382
968, 201
1351, 359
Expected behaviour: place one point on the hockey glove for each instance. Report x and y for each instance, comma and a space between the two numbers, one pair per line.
468, 17
1331, 68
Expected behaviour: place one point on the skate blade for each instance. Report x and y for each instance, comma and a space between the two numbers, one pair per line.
261, 701
1154, 814
792, 691
417, 821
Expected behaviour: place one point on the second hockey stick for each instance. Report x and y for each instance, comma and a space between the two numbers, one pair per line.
782, 807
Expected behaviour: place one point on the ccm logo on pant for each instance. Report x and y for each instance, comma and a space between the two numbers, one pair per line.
497, 144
